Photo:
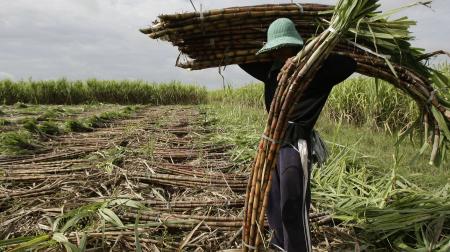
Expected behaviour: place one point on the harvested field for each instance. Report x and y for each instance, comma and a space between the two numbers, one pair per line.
155, 176
156, 179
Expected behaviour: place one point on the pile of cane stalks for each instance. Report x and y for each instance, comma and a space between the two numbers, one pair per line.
380, 46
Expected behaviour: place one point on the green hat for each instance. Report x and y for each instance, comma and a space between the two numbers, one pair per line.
281, 33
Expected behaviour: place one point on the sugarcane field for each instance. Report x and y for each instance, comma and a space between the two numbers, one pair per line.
190, 125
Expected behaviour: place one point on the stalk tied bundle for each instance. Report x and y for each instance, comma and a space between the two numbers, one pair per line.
294, 78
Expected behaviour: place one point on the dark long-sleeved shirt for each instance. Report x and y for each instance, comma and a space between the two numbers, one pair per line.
335, 69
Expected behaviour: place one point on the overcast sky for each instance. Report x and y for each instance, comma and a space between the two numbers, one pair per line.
80, 39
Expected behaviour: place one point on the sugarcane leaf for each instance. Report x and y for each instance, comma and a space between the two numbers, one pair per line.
444, 79
127, 202
444, 245
70, 223
59, 237
83, 242
420, 152
136, 234
374, 38
35, 241
389, 13
357, 29
408, 131
188, 237
391, 66
70, 247
15, 241
110, 216
441, 122
372, 35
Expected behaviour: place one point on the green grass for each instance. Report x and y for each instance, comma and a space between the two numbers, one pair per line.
368, 184
49, 128
379, 150
5, 122
18, 142
94, 91
242, 127
76, 126
20, 105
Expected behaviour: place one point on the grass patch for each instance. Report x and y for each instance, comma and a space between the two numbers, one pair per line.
5, 122
49, 128
99, 121
20, 105
18, 142
50, 114
31, 125
76, 126
111, 158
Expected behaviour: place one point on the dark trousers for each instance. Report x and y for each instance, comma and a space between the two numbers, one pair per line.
289, 202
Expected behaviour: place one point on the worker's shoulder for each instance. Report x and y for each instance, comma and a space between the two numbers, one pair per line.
335, 57
339, 61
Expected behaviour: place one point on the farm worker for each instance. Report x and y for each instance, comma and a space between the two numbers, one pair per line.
290, 195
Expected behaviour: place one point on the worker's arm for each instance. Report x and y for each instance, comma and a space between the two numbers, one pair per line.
258, 70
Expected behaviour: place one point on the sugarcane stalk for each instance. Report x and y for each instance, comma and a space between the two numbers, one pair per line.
306, 7
436, 142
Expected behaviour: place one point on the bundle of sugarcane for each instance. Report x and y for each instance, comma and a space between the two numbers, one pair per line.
231, 35
380, 47
294, 78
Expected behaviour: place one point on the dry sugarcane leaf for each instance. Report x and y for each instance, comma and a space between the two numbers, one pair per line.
188, 237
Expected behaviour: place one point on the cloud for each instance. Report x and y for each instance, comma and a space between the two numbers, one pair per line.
81, 39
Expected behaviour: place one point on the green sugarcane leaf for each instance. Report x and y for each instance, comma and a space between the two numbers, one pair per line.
83, 243
110, 216
136, 234
444, 245
70, 223
444, 79
368, 34
391, 67
59, 237
70, 247
389, 13
31, 243
441, 122
420, 152
15, 241
409, 131
374, 38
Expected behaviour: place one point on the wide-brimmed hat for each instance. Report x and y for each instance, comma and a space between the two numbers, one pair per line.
281, 33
